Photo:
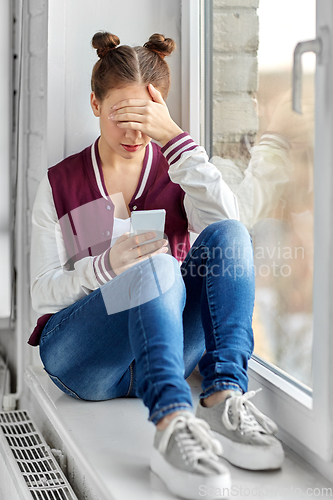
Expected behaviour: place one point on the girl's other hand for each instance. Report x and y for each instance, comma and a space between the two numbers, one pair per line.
149, 117
128, 250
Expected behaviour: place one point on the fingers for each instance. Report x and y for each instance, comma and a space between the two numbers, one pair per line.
136, 106
130, 244
159, 246
141, 114
128, 117
138, 103
156, 252
122, 238
139, 126
128, 250
140, 256
120, 113
156, 94
132, 241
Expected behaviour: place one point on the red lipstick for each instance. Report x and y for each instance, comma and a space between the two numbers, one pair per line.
131, 148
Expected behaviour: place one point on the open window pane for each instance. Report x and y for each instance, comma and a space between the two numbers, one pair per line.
264, 151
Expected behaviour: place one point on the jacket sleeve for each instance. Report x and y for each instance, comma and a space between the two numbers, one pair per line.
207, 197
52, 286
259, 188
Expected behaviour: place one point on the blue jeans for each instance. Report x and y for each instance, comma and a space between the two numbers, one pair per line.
143, 333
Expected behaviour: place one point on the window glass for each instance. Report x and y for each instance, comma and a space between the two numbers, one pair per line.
264, 151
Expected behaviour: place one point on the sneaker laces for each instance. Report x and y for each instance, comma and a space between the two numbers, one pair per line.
198, 447
246, 416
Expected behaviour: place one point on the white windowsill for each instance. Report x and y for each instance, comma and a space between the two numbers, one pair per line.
281, 383
111, 442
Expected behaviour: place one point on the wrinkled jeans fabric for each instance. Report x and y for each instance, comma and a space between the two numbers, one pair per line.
143, 333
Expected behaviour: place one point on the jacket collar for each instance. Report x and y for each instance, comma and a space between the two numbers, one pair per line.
98, 172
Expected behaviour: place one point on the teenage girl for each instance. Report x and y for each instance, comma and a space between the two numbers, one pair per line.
124, 317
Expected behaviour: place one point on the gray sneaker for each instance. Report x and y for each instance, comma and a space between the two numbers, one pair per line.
245, 433
187, 458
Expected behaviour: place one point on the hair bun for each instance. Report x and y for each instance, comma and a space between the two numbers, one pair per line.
103, 42
161, 45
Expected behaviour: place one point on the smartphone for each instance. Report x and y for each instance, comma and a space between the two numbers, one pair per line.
144, 221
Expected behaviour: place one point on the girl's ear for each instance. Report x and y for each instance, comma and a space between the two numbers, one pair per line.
95, 104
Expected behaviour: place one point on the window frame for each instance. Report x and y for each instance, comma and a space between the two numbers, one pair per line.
6, 140
305, 421
191, 31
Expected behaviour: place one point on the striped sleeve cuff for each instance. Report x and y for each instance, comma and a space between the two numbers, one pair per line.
275, 140
102, 268
173, 150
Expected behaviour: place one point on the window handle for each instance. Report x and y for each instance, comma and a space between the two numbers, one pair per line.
320, 46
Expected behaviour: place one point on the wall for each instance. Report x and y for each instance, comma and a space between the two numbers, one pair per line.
235, 76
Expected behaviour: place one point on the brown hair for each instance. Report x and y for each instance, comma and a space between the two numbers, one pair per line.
121, 65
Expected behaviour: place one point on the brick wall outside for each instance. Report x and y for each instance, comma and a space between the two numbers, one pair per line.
235, 77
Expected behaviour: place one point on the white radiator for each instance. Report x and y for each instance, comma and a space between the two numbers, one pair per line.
28, 470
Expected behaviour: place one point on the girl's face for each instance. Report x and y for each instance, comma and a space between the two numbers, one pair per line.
119, 141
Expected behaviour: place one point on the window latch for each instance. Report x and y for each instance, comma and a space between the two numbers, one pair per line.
320, 46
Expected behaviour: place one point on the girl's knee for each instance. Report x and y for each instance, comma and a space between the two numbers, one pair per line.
231, 241
166, 268
230, 230
162, 272
232, 225
165, 260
